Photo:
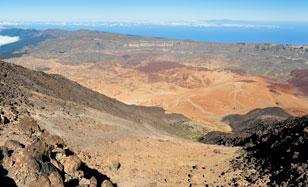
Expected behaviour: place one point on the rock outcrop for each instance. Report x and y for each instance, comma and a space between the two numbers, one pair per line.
243, 126
42, 159
277, 154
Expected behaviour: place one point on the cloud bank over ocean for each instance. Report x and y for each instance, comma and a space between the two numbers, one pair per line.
8, 39
110, 23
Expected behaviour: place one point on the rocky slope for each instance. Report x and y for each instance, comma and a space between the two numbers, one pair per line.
242, 122
130, 152
273, 148
278, 153
30, 155
244, 126
59, 87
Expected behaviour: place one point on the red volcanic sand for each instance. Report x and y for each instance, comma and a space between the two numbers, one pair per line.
300, 80
157, 66
238, 71
274, 86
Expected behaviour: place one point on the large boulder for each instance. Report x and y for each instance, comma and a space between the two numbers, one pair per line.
72, 164
55, 180
44, 160
107, 183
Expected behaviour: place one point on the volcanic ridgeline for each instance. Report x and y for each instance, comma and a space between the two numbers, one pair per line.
17, 80
274, 146
30, 155
245, 125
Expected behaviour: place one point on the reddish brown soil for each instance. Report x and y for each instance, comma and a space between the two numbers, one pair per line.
274, 86
130, 152
157, 66
204, 96
300, 80
238, 71
246, 81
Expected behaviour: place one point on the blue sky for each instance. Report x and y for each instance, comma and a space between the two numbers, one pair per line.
153, 10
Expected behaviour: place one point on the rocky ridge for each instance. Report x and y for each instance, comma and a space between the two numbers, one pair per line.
243, 126
277, 154
31, 156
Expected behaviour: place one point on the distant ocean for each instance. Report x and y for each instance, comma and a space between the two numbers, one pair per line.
286, 33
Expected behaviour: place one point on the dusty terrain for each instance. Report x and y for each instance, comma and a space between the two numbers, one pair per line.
203, 95
130, 153
202, 81
110, 117
147, 156
300, 80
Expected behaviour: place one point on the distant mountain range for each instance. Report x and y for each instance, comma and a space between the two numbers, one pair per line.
224, 31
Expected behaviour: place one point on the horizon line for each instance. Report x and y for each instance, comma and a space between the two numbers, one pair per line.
193, 23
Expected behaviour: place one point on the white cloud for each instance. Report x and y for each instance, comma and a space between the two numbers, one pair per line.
204, 24
115, 23
8, 39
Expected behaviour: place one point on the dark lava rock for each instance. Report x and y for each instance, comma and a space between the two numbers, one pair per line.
279, 152
247, 122
4, 120
222, 138
243, 126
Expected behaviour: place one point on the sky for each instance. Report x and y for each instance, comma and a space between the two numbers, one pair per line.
153, 10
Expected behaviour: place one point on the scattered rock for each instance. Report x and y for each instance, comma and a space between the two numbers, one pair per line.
55, 180
5, 152
93, 182
38, 149
243, 126
28, 126
6, 116
84, 182
58, 165
52, 139
107, 183
4, 120
45, 162
114, 166
278, 152
71, 164
42, 181
253, 178
13, 145
47, 168
41, 159
60, 157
